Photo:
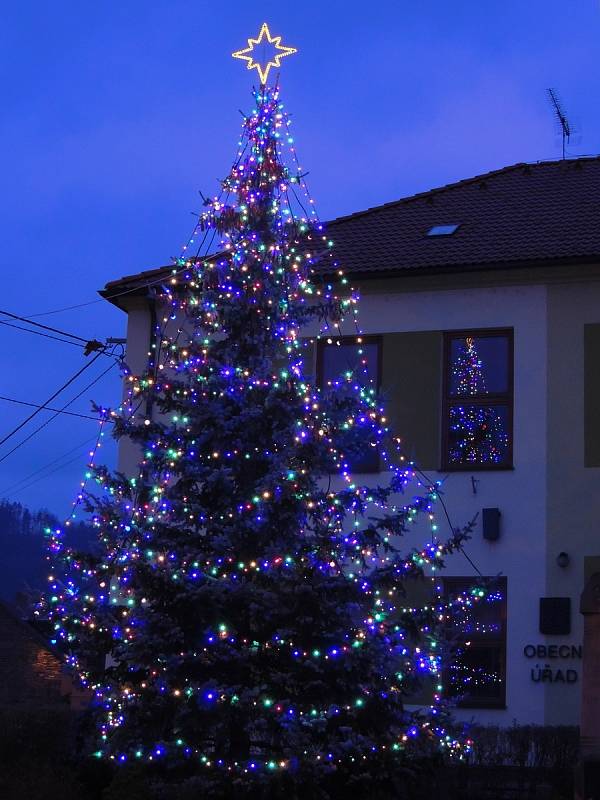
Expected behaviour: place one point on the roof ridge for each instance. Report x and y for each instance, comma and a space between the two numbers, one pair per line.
461, 182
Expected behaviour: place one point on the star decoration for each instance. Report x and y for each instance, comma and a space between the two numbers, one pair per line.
263, 64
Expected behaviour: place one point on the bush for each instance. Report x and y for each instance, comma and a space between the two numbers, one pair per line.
36, 754
40, 759
548, 747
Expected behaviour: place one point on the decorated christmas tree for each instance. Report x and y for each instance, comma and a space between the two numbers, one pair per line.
477, 431
246, 620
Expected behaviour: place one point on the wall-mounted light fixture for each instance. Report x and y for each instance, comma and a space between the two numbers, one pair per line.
563, 560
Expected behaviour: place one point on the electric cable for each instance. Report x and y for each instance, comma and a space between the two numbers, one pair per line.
50, 399
43, 477
50, 419
143, 285
46, 408
419, 472
45, 327
65, 308
13, 487
39, 333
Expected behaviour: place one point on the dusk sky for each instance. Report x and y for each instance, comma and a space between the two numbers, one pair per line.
114, 115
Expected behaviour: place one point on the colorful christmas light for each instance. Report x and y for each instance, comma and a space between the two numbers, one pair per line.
247, 610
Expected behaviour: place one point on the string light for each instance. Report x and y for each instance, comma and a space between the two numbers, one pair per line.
246, 573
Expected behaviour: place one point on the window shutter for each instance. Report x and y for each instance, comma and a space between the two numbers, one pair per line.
411, 388
591, 395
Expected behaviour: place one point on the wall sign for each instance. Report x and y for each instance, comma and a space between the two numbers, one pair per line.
550, 672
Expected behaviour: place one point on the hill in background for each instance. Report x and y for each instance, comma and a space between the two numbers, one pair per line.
23, 546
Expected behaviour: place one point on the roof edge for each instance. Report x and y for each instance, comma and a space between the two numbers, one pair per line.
394, 272
463, 182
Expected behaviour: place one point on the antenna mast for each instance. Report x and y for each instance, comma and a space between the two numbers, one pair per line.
561, 117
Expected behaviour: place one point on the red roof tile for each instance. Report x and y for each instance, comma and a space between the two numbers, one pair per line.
523, 213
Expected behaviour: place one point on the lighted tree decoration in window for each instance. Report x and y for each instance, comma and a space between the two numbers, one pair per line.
476, 430
477, 624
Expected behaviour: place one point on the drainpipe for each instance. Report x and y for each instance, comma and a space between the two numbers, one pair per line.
587, 773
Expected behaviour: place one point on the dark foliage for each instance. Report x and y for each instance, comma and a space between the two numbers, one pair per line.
39, 760
24, 546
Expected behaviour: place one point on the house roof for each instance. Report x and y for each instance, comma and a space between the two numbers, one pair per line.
545, 212
519, 214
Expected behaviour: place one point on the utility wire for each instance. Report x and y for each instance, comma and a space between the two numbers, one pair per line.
43, 477
14, 486
45, 327
66, 308
144, 285
137, 287
49, 400
39, 333
49, 420
47, 408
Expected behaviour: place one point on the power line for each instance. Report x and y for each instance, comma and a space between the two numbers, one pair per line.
48, 421
45, 327
143, 285
66, 308
47, 408
112, 296
14, 486
43, 477
154, 281
39, 333
49, 400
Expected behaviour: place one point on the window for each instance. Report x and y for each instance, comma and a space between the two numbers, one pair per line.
443, 230
475, 674
362, 356
478, 400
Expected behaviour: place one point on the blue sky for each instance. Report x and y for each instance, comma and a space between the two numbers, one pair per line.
114, 115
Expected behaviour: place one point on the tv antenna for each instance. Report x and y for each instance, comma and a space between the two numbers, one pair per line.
564, 123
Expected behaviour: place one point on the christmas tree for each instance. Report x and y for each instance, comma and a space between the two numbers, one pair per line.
477, 432
246, 619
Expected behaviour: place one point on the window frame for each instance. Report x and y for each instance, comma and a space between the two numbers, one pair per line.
505, 399
482, 643
370, 338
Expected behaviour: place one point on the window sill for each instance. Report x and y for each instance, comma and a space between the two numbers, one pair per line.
491, 705
476, 468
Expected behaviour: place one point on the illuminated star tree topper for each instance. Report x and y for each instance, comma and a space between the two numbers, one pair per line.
264, 52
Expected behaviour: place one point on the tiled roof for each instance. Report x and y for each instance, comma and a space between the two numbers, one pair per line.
519, 214
543, 212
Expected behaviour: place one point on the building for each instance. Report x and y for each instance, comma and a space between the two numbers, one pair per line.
32, 675
481, 312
